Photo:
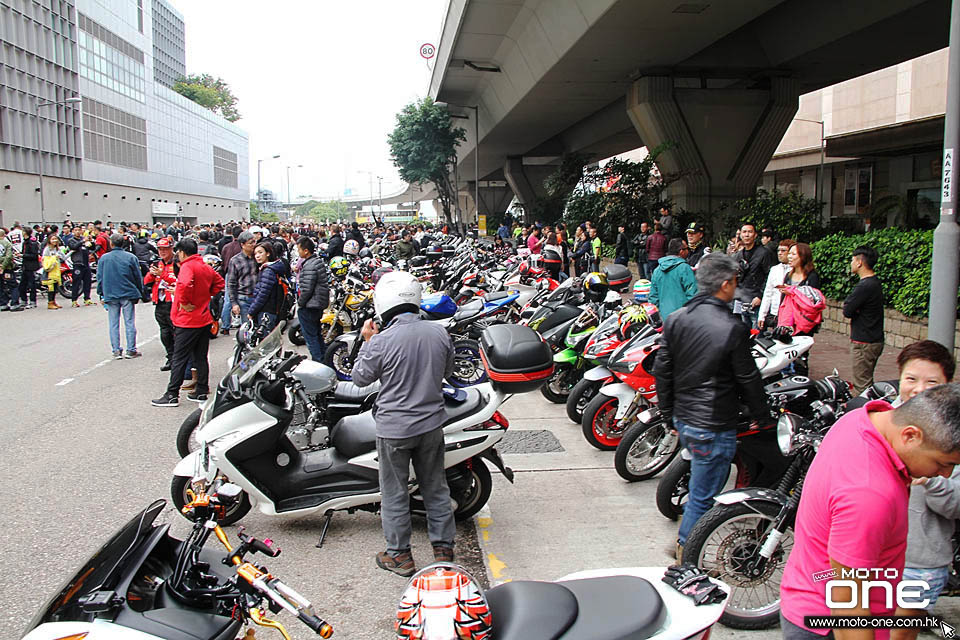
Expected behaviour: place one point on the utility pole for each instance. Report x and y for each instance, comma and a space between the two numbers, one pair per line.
259, 192
299, 166
946, 237
380, 197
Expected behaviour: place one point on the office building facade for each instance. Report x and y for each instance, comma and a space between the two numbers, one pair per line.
130, 148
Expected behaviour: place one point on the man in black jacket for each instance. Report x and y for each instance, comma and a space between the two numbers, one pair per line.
80, 256
335, 246
622, 248
704, 373
31, 262
314, 297
758, 262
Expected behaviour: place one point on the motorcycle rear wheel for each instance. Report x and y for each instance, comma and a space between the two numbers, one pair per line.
470, 501
723, 539
468, 367
580, 396
645, 450
673, 488
337, 357
178, 492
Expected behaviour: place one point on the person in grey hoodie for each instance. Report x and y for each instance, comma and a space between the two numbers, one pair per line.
934, 504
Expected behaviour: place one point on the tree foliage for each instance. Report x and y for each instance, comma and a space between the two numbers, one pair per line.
423, 146
323, 211
622, 192
789, 213
209, 92
261, 216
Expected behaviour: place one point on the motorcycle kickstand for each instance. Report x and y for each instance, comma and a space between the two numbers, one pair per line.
327, 517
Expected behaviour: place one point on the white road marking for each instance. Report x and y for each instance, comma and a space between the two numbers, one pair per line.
67, 381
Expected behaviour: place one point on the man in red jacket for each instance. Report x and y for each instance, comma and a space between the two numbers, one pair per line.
190, 313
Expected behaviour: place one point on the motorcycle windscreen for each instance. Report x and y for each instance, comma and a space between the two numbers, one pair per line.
99, 571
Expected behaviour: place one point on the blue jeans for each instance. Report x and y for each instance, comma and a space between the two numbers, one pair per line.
114, 310
226, 312
310, 328
244, 303
936, 580
712, 452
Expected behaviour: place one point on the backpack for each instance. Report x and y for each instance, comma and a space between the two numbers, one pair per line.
287, 299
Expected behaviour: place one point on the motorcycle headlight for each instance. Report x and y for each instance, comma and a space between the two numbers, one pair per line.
786, 427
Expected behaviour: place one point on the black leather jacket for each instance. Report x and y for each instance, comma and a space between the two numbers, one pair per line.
704, 369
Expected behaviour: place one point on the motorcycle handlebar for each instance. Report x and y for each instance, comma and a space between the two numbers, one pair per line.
321, 627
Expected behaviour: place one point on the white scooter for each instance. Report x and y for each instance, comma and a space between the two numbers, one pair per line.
246, 443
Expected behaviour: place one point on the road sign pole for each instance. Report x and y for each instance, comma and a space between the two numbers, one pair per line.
946, 238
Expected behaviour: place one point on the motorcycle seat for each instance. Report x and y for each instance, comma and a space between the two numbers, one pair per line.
350, 392
608, 608
456, 410
498, 295
355, 435
531, 610
472, 308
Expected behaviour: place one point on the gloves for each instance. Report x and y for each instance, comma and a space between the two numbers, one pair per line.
691, 582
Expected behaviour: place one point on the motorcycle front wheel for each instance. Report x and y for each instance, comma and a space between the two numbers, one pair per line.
673, 488
580, 396
599, 424
645, 450
468, 368
723, 542
186, 436
557, 387
338, 358
178, 492
295, 335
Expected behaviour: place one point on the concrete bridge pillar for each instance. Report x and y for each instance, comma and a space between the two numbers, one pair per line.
526, 181
724, 137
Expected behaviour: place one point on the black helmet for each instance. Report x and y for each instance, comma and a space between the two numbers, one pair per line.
551, 256
366, 253
595, 286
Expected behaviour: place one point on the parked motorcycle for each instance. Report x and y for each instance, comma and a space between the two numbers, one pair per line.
351, 302
146, 584
620, 406
758, 461
246, 443
748, 534
321, 400
443, 601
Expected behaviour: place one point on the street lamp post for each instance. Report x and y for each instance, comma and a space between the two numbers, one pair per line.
299, 166
379, 197
822, 145
259, 194
40, 102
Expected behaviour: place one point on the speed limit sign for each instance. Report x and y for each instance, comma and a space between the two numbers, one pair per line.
428, 51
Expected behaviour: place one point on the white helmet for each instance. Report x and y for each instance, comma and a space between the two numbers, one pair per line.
394, 290
351, 247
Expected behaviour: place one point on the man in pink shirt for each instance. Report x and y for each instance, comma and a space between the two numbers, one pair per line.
853, 510
534, 242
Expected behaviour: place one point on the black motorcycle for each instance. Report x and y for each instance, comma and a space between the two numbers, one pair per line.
145, 580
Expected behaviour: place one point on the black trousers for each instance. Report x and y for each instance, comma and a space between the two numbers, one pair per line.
28, 286
190, 343
167, 331
81, 276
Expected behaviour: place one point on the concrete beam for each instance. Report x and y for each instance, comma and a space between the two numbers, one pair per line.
723, 137
526, 181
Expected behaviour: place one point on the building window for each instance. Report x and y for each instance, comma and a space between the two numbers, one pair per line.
110, 61
857, 189
224, 167
113, 136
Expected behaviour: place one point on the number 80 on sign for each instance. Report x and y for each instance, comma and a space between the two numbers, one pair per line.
427, 51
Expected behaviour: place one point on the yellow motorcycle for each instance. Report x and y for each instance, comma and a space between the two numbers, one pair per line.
350, 304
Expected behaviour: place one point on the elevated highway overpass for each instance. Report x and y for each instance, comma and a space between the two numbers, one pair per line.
719, 79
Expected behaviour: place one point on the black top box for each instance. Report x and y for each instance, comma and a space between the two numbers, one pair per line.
619, 277
516, 358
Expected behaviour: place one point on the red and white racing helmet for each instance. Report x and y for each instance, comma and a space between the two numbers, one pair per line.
443, 602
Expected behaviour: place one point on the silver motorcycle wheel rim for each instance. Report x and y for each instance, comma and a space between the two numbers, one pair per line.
649, 449
742, 588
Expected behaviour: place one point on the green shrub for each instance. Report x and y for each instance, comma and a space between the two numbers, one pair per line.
903, 268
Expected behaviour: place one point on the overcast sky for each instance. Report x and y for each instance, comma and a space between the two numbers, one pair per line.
318, 82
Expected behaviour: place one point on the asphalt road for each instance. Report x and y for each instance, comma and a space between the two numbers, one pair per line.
85, 451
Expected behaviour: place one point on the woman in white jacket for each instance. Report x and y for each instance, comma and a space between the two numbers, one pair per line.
770, 303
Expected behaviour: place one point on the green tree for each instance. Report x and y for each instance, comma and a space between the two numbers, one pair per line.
620, 193
261, 216
209, 92
423, 146
789, 213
